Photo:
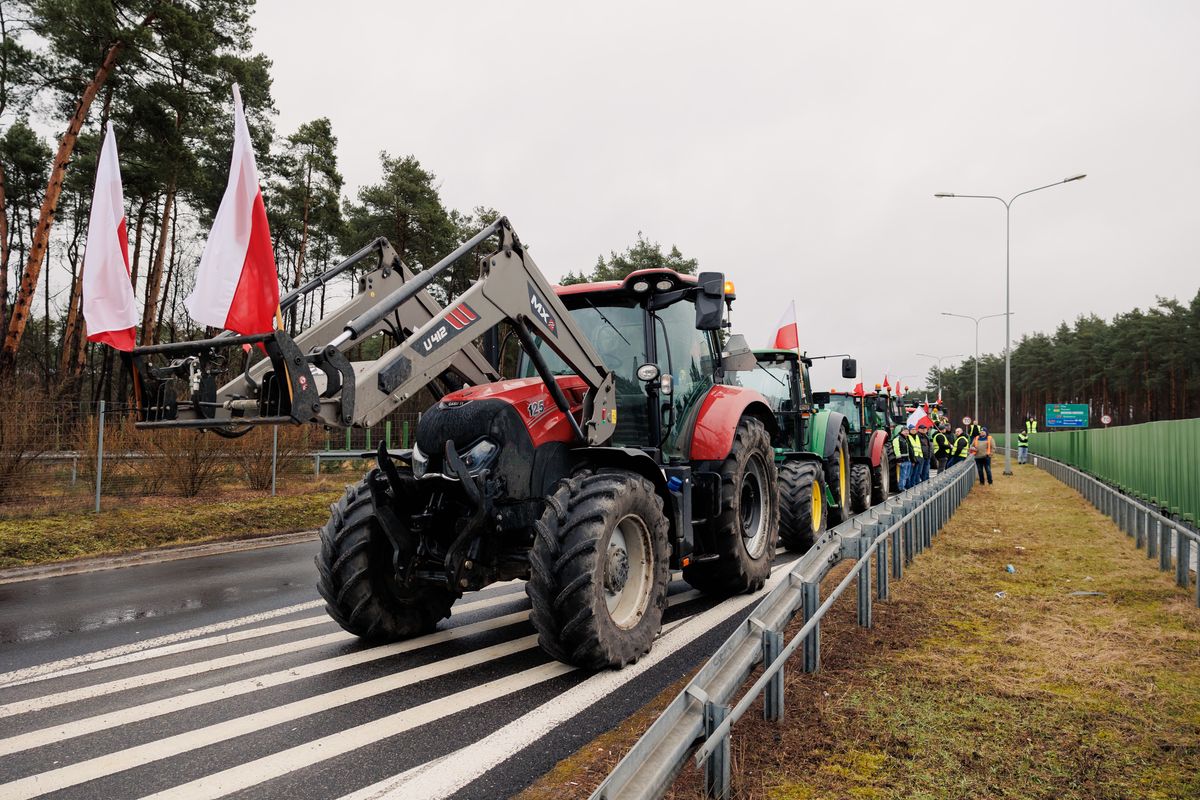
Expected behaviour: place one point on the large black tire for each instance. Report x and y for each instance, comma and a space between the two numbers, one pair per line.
356, 576
745, 532
881, 477
802, 507
837, 478
599, 570
860, 487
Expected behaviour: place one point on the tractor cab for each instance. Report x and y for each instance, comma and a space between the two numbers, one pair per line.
658, 338
781, 376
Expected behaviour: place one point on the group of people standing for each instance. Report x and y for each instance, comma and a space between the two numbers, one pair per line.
916, 449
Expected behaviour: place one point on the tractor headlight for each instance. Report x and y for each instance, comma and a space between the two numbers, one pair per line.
481, 456
420, 461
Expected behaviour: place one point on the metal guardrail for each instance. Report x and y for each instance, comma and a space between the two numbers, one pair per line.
1145, 525
893, 533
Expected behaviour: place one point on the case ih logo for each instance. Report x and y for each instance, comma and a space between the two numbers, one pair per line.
538, 306
457, 319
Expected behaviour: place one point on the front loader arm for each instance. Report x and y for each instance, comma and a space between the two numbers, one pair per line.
310, 379
513, 289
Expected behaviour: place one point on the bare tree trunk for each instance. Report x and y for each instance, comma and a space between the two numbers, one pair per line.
4, 250
170, 269
154, 276
37, 251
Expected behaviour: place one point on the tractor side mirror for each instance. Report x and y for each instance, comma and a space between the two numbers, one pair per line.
710, 301
881, 404
737, 355
849, 368
821, 398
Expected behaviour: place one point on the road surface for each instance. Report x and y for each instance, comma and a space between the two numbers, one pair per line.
221, 676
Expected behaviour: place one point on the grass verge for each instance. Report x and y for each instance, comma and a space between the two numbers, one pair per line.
142, 523
958, 693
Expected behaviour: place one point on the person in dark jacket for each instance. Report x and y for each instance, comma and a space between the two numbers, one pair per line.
958, 450
926, 453
902, 456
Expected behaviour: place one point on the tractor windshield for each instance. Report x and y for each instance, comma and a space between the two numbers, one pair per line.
616, 328
772, 380
845, 404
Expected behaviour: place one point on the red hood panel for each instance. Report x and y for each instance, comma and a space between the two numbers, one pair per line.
532, 401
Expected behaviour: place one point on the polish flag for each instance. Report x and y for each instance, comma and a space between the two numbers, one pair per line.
237, 287
109, 307
787, 334
919, 418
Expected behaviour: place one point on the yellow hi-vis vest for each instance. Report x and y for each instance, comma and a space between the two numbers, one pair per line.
914, 441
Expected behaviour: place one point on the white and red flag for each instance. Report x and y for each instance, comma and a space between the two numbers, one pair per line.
787, 333
109, 307
919, 418
237, 287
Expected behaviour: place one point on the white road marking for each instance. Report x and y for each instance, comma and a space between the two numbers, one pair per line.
444, 776
168, 705
44, 670
277, 764
200, 667
174, 643
284, 762
170, 746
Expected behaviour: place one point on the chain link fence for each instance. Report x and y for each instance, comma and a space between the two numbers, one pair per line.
69, 456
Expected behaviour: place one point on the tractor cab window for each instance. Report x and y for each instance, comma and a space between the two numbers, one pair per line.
844, 404
615, 329
771, 379
687, 355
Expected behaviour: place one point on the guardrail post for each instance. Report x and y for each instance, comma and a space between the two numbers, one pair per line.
864, 593
1151, 539
74, 469
716, 766
773, 694
897, 538
881, 569
811, 594
317, 465
1164, 546
1139, 527
1183, 559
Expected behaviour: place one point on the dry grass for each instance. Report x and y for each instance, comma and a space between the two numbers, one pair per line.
138, 523
956, 693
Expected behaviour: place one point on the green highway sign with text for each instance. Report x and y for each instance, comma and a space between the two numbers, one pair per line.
1066, 415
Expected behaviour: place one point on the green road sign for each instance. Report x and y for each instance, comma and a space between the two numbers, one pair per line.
1066, 415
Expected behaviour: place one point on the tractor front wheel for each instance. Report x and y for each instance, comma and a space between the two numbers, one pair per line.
860, 488
802, 509
356, 577
599, 570
881, 476
837, 477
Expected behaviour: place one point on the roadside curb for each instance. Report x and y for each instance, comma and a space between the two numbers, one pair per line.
155, 556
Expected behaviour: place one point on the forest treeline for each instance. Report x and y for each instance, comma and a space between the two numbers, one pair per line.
161, 72
1139, 367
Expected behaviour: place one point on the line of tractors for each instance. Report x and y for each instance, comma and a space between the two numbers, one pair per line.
631, 434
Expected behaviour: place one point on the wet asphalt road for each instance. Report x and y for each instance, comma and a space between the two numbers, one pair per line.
221, 676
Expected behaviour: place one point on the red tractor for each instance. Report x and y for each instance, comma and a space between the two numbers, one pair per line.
614, 455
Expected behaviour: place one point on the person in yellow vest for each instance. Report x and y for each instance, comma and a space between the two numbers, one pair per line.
982, 448
1022, 448
1030, 424
958, 450
902, 457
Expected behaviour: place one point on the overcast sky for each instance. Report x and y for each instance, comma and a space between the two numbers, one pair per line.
794, 146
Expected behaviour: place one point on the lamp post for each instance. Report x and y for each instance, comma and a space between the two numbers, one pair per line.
976, 320
1007, 299
939, 360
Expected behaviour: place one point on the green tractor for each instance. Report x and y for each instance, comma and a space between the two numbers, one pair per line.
871, 415
812, 446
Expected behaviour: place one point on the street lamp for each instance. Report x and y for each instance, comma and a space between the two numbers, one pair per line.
939, 359
1007, 300
976, 320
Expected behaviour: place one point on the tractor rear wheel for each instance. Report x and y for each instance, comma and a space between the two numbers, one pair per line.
746, 530
881, 476
860, 487
837, 477
802, 509
599, 570
356, 577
